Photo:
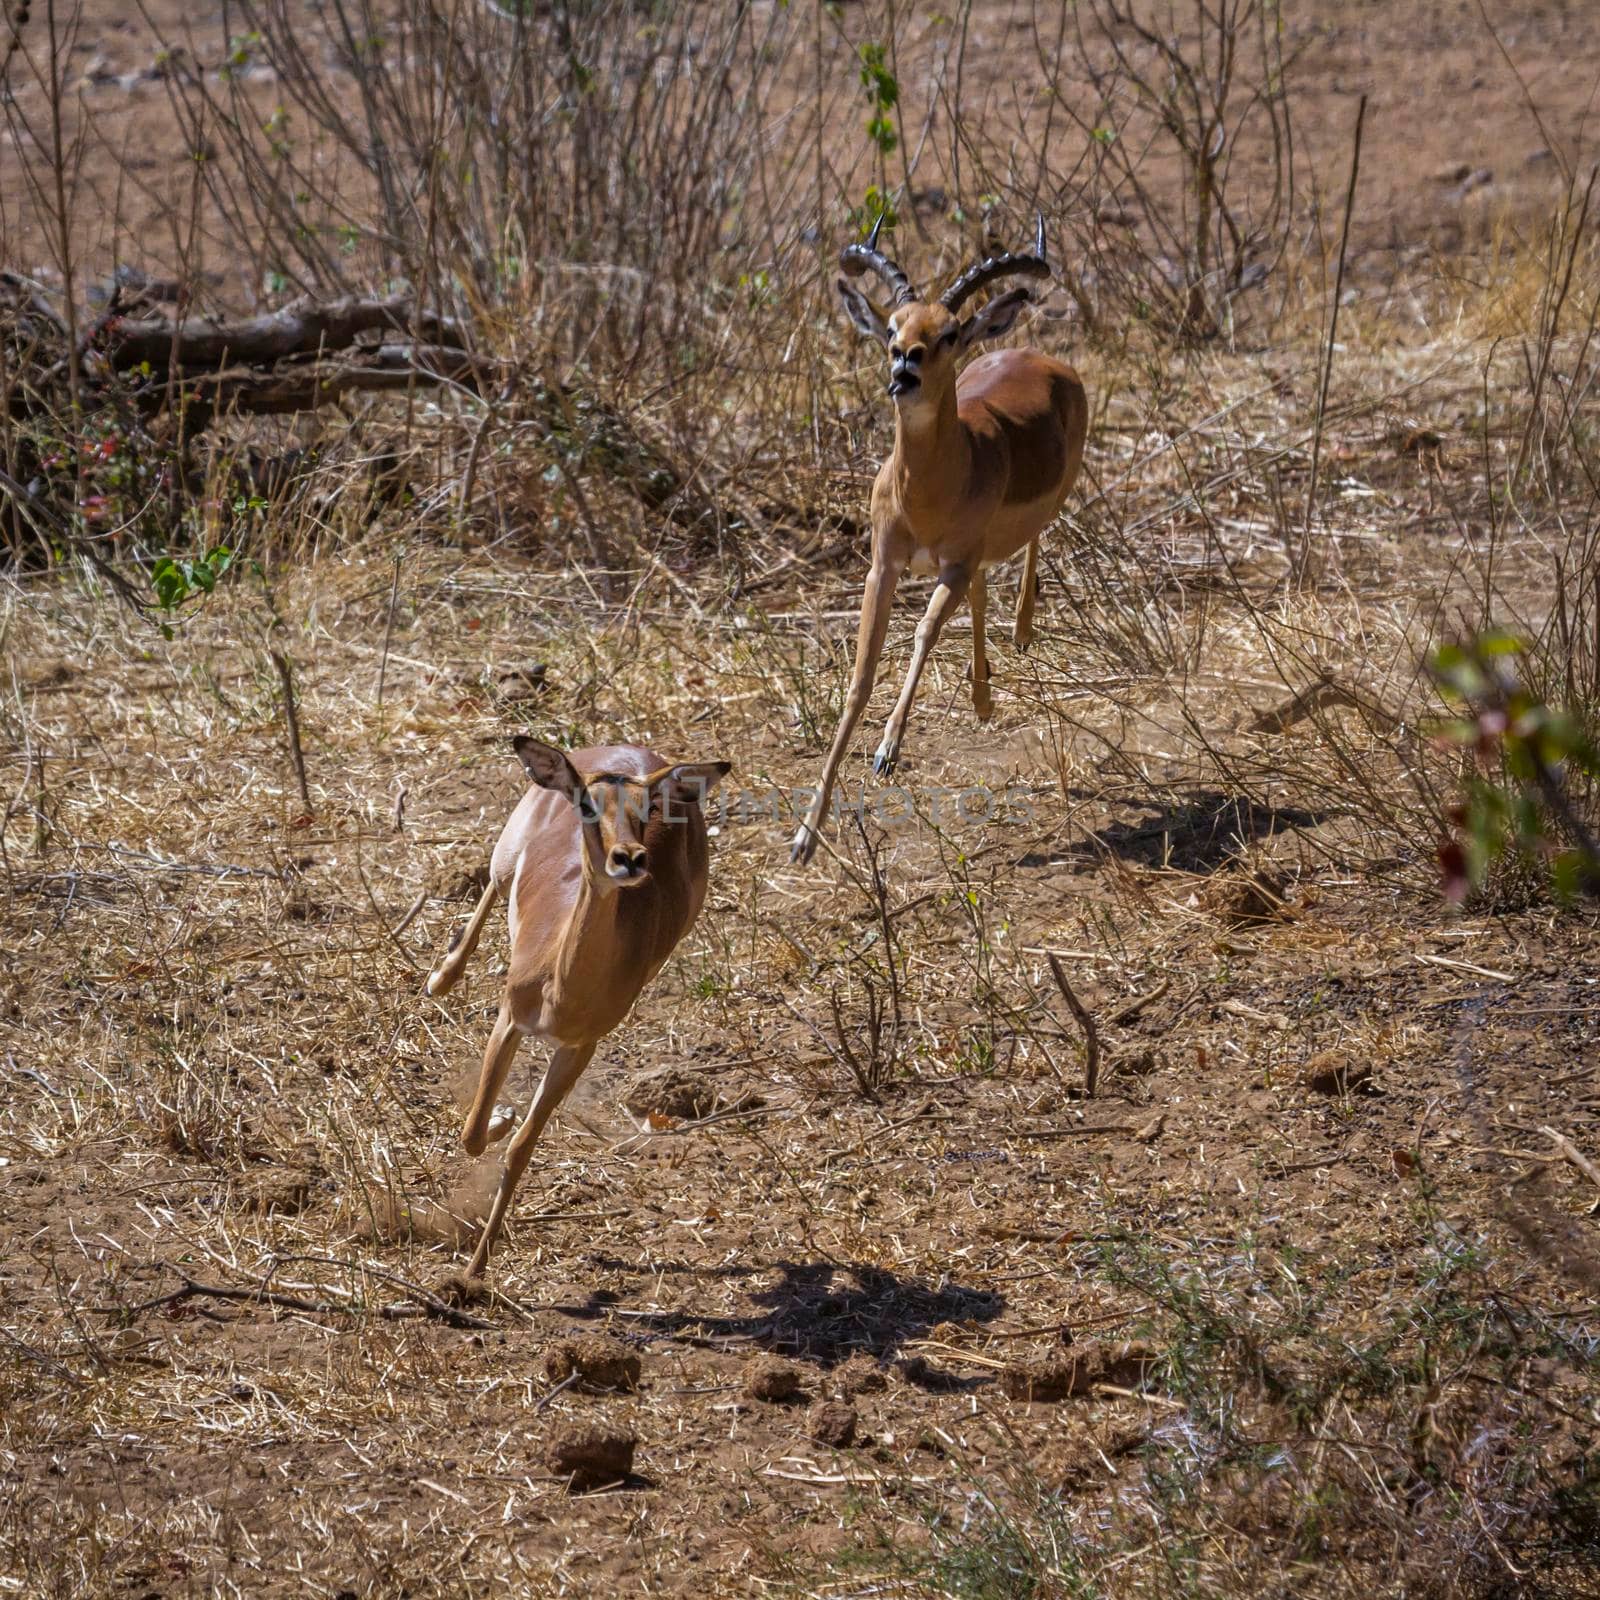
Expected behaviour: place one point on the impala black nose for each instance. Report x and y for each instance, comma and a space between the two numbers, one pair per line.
627, 862
903, 374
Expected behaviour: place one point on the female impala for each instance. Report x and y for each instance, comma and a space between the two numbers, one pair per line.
981, 465
603, 864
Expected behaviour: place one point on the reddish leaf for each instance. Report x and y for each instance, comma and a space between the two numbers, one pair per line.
1453, 869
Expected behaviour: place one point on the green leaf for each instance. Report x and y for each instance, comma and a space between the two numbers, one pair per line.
1455, 730
1498, 642
1569, 872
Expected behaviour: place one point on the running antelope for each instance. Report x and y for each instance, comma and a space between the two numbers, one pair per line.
603, 867
982, 463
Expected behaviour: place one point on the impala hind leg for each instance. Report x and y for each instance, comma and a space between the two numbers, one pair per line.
978, 601
950, 592
1022, 632
566, 1067
443, 980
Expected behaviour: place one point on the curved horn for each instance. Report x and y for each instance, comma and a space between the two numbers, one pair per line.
1008, 265
858, 258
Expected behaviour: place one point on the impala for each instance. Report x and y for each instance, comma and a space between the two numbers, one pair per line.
982, 464
603, 867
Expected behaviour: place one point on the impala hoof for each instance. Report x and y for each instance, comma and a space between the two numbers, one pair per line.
983, 706
804, 846
884, 762
501, 1121
458, 1288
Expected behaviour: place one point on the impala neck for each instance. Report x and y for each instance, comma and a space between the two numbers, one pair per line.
599, 955
932, 454
587, 960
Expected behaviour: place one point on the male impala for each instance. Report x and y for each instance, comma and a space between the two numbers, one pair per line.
981, 465
603, 864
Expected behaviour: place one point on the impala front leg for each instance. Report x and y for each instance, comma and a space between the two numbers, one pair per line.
444, 979
951, 590
876, 599
566, 1066
488, 1119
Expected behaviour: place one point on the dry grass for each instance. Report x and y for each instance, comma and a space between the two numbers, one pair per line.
1326, 1176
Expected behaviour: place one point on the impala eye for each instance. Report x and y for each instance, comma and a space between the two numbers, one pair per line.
587, 809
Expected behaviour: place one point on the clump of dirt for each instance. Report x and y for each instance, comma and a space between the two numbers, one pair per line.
1081, 1454
1333, 1072
771, 1378
859, 1375
1134, 1061
672, 1092
598, 1360
520, 681
1077, 1372
832, 1422
282, 1190
588, 1454
1246, 899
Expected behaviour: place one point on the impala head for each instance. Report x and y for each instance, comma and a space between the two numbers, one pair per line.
620, 811
925, 337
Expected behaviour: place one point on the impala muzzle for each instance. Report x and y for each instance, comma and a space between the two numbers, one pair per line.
904, 376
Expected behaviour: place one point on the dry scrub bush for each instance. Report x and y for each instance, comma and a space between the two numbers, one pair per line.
1182, 191
629, 221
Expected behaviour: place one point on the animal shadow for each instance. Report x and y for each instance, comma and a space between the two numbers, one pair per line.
1198, 832
823, 1312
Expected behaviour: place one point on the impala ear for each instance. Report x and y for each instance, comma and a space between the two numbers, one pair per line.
862, 313
692, 781
995, 318
547, 766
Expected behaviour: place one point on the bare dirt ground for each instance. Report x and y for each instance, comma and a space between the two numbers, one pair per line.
1317, 1179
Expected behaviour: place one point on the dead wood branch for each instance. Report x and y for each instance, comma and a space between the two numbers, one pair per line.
306, 328
292, 718
427, 1305
303, 357
1091, 1034
308, 386
1569, 1152
1318, 696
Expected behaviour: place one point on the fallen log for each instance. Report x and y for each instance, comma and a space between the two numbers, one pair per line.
310, 385
305, 328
